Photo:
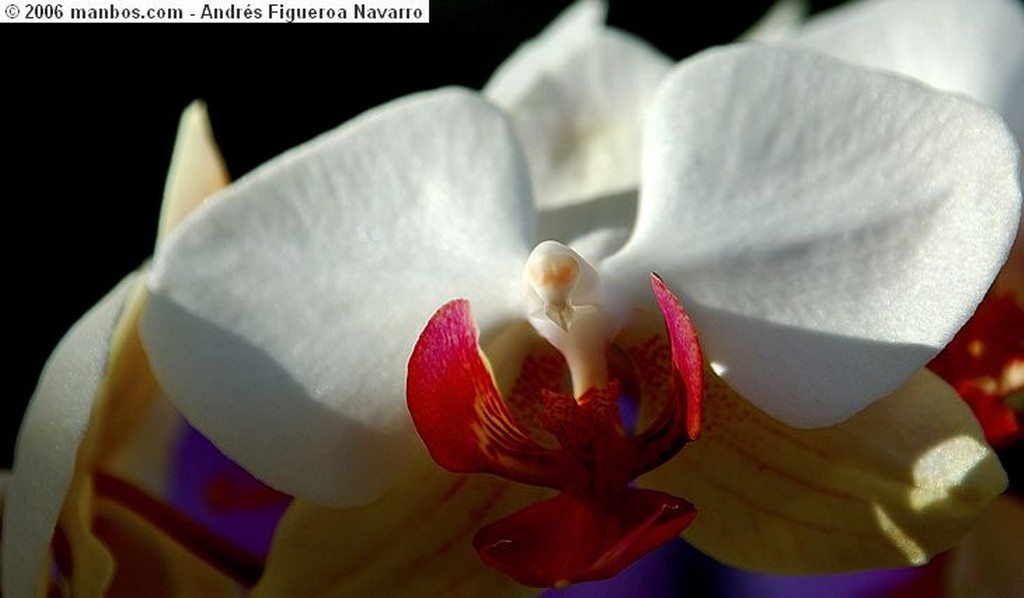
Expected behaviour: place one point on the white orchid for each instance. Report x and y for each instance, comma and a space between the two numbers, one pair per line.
827, 229
816, 255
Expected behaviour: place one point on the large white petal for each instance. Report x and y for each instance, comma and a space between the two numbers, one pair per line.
47, 446
974, 47
828, 227
578, 95
284, 310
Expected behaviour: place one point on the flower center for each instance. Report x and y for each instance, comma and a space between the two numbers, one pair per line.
517, 420
565, 305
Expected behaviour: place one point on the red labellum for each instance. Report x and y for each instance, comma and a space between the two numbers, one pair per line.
578, 445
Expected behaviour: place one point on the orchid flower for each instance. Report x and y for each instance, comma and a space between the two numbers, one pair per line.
284, 314
815, 255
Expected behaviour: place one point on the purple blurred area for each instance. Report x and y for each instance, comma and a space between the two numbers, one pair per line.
218, 493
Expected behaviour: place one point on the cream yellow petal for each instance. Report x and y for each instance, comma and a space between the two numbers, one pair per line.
121, 402
892, 486
415, 541
778, 24
989, 562
197, 169
45, 464
132, 425
150, 563
98, 407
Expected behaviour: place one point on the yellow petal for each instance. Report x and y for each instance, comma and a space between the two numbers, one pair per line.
49, 442
892, 486
197, 169
122, 401
414, 541
132, 425
989, 562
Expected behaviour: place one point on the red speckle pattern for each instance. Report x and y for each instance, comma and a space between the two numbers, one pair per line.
598, 524
985, 363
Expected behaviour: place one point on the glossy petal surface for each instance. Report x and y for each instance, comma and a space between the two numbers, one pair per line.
828, 228
975, 47
892, 486
292, 300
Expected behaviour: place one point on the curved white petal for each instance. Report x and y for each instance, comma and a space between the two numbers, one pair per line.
283, 312
47, 446
974, 47
575, 26
578, 95
829, 228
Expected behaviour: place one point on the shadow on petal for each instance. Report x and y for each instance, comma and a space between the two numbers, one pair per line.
262, 418
806, 378
774, 498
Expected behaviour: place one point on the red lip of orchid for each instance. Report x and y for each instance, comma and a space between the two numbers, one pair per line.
598, 524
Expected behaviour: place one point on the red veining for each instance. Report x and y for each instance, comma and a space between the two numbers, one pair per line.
233, 561
598, 524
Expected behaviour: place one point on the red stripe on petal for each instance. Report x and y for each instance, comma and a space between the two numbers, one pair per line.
458, 411
569, 539
687, 359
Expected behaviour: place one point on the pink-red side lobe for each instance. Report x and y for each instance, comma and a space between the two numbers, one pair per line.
687, 359
458, 411
598, 525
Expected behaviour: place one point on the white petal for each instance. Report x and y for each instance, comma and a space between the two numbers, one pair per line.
575, 26
578, 95
974, 47
595, 229
284, 310
830, 228
48, 442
